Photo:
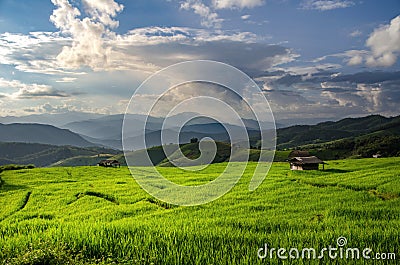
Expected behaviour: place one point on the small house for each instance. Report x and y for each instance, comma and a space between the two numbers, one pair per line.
305, 163
109, 163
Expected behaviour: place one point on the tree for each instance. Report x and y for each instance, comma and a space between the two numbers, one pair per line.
194, 140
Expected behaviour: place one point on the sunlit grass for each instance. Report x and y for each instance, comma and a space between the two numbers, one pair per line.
100, 215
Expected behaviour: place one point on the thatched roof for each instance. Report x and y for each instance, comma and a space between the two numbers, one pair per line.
306, 160
298, 153
108, 161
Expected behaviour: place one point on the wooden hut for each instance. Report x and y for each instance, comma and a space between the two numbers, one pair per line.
305, 163
109, 163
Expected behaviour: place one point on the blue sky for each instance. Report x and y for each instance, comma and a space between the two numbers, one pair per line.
325, 59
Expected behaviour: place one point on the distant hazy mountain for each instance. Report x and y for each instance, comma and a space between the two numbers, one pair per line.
39, 133
154, 138
107, 130
56, 119
110, 127
61, 119
283, 123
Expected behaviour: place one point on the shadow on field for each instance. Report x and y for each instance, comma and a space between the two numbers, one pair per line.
4, 186
336, 170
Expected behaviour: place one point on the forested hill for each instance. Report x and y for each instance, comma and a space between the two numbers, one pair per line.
374, 125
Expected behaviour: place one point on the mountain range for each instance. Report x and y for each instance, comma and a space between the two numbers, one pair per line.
40, 133
107, 131
84, 141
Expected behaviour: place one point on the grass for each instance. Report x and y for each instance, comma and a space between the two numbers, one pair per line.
94, 215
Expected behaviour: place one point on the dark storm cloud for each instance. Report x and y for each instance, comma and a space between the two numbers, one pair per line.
252, 58
50, 93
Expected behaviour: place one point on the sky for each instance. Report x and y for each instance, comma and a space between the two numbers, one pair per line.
326, 59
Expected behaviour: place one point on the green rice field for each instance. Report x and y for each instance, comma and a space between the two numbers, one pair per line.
94, 215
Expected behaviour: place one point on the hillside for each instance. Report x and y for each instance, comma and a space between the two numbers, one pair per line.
81, 160
299, 135
42, 134
42, 155
357, 147
191, 151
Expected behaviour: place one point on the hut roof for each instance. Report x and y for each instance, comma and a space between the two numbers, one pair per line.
306, 160
298, 153
109, 161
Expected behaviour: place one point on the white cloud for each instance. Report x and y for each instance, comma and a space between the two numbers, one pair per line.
49, 108
34, 52
88, 47
85, 43
236, 4
103, 11
209, 18
71, 106
324, 5
384, 43
30, 90
208, 14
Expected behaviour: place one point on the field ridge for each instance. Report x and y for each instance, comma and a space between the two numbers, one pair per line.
22, 205
25, 200
100, 195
